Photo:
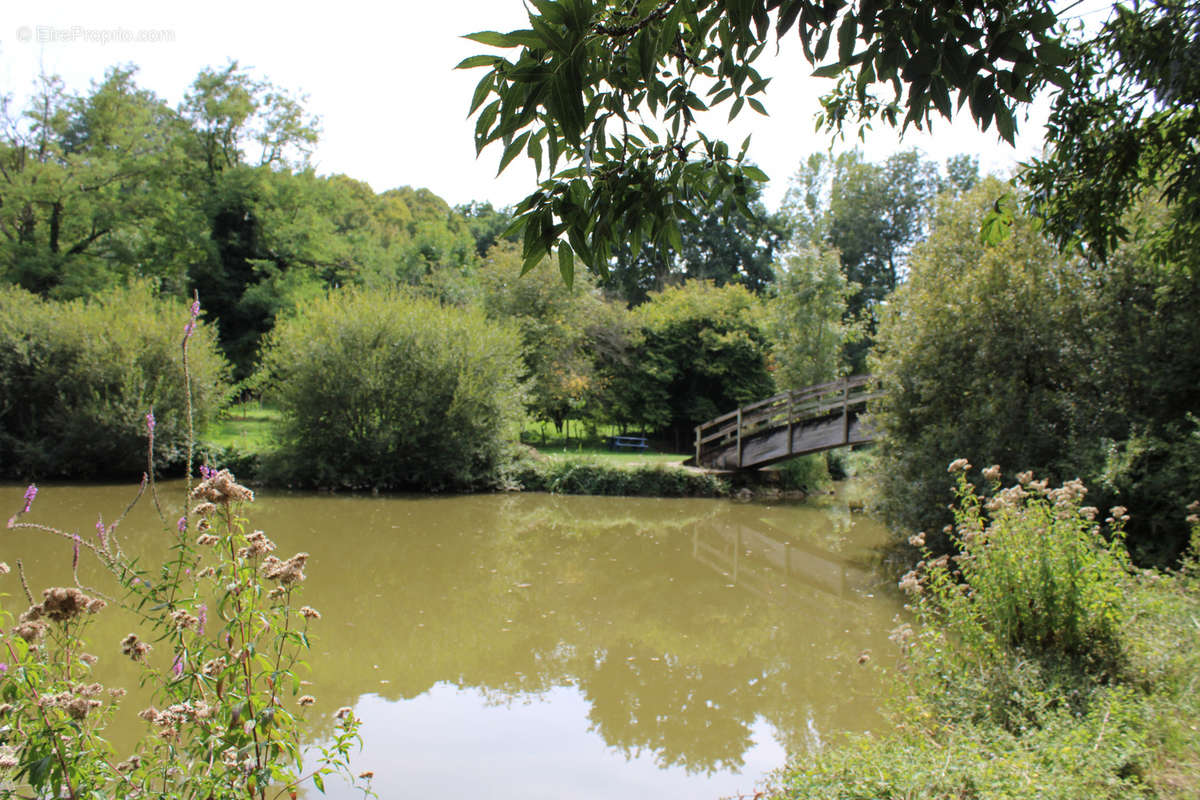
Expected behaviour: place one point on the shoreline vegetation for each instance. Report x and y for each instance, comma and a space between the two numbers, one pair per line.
557, 463
1040, 663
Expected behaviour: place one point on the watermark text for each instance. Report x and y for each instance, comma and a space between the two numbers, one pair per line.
80, 34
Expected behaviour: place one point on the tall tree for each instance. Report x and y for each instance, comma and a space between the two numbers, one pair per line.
697, 351
85, 177
563, 333
240, 131
806, 317
1127, 129
487, 224
871, 215
724, 243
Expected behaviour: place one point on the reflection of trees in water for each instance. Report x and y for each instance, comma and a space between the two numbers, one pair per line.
516, 595
696, 716
526, 593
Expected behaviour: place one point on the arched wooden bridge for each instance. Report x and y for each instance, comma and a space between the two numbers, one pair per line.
787, 425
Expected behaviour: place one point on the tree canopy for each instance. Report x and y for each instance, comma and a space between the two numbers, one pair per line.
731, 242
603, 95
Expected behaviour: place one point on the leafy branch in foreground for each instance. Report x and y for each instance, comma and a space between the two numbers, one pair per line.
605, 96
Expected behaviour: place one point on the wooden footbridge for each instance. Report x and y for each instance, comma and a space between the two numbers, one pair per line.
787, 425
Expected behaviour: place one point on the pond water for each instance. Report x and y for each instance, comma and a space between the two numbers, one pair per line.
536, 646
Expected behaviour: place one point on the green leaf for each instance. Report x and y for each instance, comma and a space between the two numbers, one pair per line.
828, 71
552, 37
492, 38
737, 107
526, 37
39, 770
551, 10
319, 782
647, 53
997, 225
754, 173
478, 61
512, 151
535, 152
846, 33
1052, 54
674, 236
566, 264
482, 90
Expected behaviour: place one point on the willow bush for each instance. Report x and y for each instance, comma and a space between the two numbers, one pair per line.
77, 378
392, 391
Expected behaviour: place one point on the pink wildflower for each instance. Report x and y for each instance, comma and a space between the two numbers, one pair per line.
181, 525
191, 325
30, 493
102, 533
150, 423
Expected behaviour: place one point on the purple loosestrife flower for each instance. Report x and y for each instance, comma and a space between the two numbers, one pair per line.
181, 525
202, 615
191, 325
150, 423
177, 667
30, 493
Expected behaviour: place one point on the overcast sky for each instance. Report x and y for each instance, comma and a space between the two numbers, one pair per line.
381, 78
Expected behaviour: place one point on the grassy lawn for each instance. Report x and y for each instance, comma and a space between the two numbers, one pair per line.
250, 428
581, 441
618, 457
247, 427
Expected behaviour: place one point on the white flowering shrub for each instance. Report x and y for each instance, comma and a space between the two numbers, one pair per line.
1036, 573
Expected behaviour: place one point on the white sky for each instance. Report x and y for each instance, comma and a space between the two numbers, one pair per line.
381, 77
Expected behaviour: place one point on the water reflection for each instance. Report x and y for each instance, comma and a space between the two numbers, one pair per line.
688, 638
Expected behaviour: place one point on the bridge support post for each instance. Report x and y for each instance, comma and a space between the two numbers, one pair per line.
790, 449
698, 464
739, 437
845, 411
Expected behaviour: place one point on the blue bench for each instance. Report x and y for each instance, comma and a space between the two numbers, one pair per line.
627, 443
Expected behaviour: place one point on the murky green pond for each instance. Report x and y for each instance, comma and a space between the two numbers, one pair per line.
531, 646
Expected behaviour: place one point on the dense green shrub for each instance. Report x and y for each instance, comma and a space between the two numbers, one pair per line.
1037, 360
388, 390
78, 378
1040, 578
807, 473
593, 477
698, 351
971, 358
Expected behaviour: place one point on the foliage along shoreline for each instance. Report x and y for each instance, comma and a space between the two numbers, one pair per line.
1039, 661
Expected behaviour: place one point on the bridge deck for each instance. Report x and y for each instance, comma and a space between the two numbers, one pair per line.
787, 425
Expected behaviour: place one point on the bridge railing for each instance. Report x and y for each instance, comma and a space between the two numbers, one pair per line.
783, 410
